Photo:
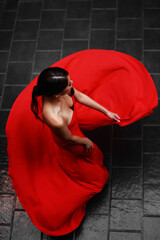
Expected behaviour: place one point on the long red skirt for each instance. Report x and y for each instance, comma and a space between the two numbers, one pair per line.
52, 179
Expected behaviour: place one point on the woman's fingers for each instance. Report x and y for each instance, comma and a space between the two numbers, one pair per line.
117, 118
114, 116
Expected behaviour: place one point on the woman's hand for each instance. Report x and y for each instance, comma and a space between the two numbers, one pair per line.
113, 116
88, 144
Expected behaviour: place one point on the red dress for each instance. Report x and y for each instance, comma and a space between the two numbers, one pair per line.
53, 179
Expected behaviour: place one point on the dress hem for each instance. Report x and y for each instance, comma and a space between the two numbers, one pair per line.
40, 228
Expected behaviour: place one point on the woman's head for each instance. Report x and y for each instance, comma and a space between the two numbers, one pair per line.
52, 81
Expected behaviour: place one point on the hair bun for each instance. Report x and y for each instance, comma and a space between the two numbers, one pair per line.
36, 91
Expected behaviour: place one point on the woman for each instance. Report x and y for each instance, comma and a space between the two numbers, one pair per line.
78, 157
54, 168
54, 84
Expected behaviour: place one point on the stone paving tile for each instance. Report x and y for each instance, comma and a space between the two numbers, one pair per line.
30, 0
129, 9
25, 10
129, 28
8, 20
104, 4
6, 37
93, 227
125, 236
127, 183
10, 95
151, 4
154, 118
131, 47
1, 9
18, 205
122, 149
133, 130
102, 39
23, 228
152, 199
5, 180
151, 18
23, 51
50, 40
2, 76
16, 71
56, 4
5, 232
103, 18
151, 39
76, 29
11, 4
64, 237
3, 61
152, 61
45, 59
52, 19
3, 149
126, 215
151, 228
3, 119
107, 161
99, 204
72, 46
151, 141
6, 208
79, 9
98, 135
26, 30
152, 168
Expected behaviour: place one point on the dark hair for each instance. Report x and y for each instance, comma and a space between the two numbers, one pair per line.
51, 81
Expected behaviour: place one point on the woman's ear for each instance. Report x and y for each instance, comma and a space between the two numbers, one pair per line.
57, 95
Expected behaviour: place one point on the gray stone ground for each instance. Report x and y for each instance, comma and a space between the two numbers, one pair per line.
35, 34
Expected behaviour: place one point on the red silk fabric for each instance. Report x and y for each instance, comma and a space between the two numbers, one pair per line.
52, 179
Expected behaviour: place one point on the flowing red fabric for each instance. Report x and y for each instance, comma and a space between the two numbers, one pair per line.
52, 179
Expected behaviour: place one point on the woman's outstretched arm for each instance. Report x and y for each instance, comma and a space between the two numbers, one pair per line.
84, 99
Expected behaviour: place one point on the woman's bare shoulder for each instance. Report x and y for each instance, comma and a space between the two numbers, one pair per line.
51, 115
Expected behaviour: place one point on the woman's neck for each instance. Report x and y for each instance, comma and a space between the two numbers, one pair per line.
55, 98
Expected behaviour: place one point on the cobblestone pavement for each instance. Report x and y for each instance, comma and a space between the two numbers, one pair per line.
33, 35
